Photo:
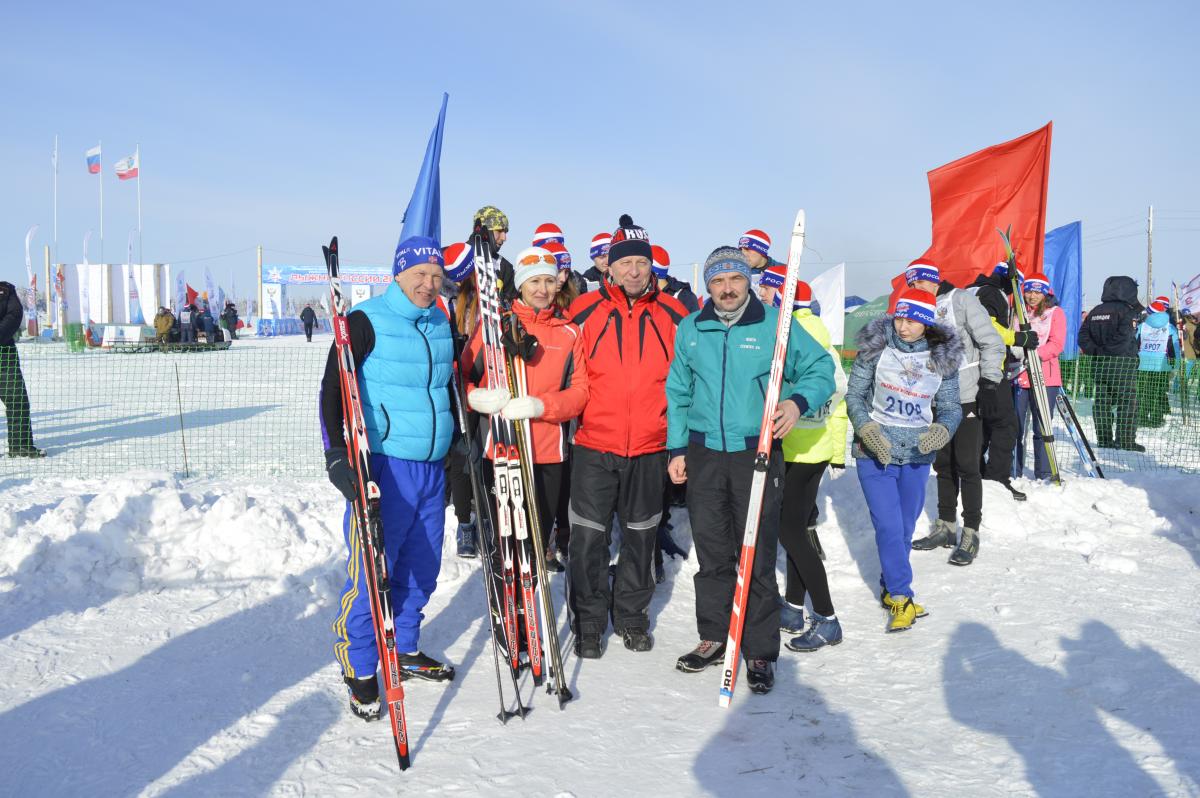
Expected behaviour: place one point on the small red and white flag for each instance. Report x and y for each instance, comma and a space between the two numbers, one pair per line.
93, 160
127, 168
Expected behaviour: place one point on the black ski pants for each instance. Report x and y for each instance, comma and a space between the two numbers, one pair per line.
717, 503
631, 487
458, 483
957, 467
1115, 409
999, 436
15, 399
805, 572
551, 481
308, 329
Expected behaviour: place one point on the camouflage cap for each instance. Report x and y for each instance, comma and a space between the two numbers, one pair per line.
492, 218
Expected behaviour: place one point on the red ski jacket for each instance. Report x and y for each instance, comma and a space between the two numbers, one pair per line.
555, 375
627, 351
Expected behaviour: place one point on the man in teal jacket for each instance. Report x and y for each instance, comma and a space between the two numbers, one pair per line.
403, 353
715, 393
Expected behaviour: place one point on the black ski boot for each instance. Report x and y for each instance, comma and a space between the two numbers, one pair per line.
968, 547
589, 645
1016, 494
943, 535
364, 697
760, 675
637, 639
424, 667
705, 655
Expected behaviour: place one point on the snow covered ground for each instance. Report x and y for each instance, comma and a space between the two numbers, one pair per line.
160, 637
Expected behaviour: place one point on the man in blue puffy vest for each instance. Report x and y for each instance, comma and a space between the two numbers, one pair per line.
403, 352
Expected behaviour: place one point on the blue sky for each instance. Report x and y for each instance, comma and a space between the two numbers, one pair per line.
281, 125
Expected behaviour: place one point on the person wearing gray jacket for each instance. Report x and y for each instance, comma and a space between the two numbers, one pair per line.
958, 463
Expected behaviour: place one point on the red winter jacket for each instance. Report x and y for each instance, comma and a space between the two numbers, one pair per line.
555, 375
628, 351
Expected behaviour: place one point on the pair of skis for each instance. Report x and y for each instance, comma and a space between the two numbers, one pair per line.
762, 459
1066, 411
1033, 363
518, 523
365, 519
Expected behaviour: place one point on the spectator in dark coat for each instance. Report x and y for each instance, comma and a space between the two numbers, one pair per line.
230, 317
308, 318
1110, 332
12, 382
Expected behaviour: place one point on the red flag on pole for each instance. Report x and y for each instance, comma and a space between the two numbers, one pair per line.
970, 198
190, 294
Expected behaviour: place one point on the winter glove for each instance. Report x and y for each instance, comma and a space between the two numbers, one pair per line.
872, 437
1025, 339
986, 400
522, 407
341, 473
488, 401
933, 439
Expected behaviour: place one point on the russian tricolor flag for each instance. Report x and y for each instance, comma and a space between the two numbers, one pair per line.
93, 160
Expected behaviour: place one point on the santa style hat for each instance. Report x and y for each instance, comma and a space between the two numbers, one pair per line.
1037, 282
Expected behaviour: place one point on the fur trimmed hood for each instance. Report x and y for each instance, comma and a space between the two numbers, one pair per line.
945, 347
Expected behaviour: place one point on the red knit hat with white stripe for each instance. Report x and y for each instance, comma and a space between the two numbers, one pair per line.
460, 261
546, 233
600, 245
803, 297
660, 261
916, 305
559, 252
1037, 282
774, 275
756, 240
1158, 305
922, 269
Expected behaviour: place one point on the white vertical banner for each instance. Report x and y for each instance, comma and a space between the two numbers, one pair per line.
829, 288
359, 293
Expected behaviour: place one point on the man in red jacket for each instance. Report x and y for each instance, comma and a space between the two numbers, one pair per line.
620, 455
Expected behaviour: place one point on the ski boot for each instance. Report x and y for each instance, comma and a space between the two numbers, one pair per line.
589, 645
465, 537
967, 548
903, 613
1017, 495
364, 697
944, 534
823, 632
424, 667
705, 655
791, 618
760, 675
885, 601
637, 639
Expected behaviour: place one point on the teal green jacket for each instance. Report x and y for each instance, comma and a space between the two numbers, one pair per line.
718, 379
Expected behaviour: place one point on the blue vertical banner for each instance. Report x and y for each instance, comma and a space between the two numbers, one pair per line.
423, 217
1063, 263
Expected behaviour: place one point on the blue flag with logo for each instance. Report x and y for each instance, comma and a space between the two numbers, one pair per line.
1063, 264
423, 217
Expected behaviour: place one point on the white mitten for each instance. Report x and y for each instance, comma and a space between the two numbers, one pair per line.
522, 407
488, 401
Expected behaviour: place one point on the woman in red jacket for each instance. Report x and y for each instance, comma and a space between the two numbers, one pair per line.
556, 384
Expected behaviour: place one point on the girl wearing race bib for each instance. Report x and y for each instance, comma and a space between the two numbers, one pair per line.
1158, 346
1050, 324
903, 401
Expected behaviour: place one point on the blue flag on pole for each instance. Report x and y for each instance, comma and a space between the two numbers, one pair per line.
1063, 261
423, 217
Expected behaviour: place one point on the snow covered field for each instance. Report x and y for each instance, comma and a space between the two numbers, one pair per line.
160, 637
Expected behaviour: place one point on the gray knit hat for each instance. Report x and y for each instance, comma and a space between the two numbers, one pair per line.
726, 259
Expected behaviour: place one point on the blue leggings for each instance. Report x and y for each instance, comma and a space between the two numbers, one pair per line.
895, 496
412, 509
1027, 408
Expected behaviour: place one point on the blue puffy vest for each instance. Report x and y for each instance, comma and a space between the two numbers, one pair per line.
404, 382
